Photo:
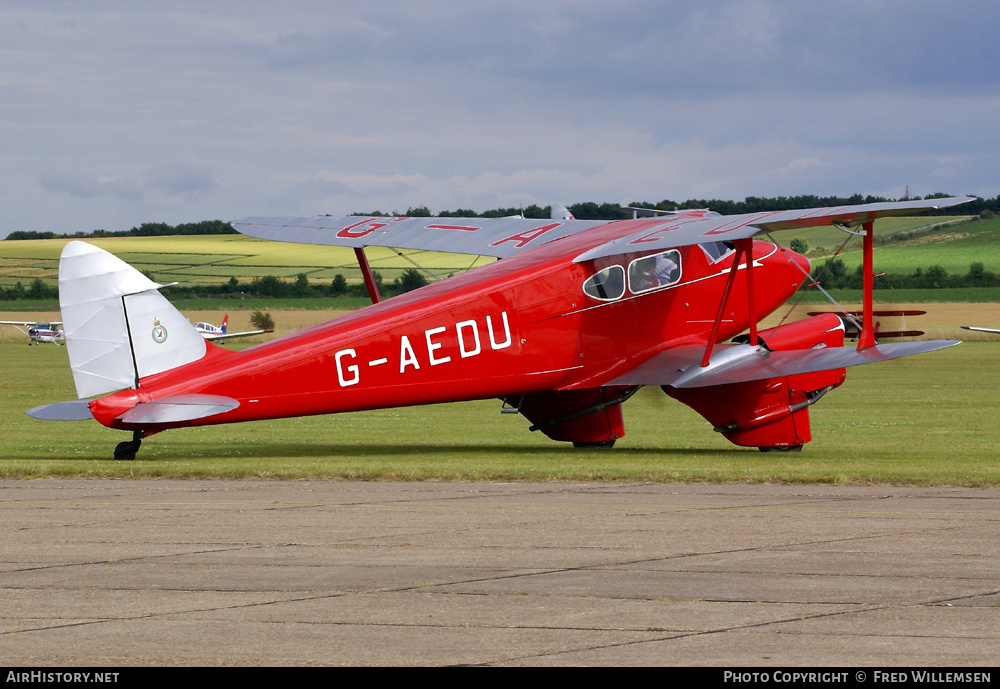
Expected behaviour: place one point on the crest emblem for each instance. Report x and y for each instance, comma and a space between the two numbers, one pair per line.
159, 332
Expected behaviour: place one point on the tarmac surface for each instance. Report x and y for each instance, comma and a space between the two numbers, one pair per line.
112, 573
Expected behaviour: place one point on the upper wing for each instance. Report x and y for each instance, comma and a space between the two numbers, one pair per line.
687, 229
29, 323
498, 237
502, 237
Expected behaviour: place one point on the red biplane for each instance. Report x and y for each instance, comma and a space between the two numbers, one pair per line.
568, 324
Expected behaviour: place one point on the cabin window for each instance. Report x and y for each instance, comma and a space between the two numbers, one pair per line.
651, 272
716, 251
606, 285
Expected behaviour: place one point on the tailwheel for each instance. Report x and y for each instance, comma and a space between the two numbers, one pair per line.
781, 448
602, 445
127, 449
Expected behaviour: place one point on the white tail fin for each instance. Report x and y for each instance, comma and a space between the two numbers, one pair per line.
560, 212
119, 328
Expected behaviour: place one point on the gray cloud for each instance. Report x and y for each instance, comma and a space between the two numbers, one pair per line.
179, 178
174, 178
72, 182
335, 107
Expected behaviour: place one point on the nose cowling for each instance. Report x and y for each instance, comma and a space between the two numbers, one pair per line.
781, 272
798, 258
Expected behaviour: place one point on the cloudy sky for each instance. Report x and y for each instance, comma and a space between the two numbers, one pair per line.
116, 113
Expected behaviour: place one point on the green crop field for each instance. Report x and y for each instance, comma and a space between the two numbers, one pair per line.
952, 247
825, 240
924, 420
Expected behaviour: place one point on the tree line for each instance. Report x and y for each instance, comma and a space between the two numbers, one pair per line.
300, 287
833, 274
146, 229
587, 210
262, 286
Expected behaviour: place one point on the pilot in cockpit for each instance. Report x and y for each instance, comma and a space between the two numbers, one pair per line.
665, 270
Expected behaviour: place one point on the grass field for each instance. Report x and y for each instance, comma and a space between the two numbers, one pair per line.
925, 420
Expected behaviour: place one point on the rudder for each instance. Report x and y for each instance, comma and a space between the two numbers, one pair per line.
118, 327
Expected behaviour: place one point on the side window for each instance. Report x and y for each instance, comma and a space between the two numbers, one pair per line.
606, 285
651, 272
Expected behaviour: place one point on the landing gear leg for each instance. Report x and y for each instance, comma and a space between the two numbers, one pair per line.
128, 449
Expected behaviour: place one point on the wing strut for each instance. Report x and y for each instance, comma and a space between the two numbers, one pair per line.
867, 337
366, 273
751, 301
744, 251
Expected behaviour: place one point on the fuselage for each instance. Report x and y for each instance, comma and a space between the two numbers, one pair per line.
44, 333
528, 323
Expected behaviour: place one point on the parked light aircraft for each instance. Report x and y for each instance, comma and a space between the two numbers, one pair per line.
221, 332
566, 326
982, 330
39, 332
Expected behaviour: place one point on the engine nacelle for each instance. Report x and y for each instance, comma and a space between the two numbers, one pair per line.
824, 330
771, 414
591, 417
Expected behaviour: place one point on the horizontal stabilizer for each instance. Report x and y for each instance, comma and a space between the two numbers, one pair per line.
177, 408
75, 410
681, 367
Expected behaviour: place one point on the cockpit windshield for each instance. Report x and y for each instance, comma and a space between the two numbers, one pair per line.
716, 251
607, 285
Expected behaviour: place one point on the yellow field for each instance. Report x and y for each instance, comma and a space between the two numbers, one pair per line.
213, 259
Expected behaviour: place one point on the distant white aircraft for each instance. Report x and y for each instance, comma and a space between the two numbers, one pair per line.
40, 332
220, 332
982, 330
